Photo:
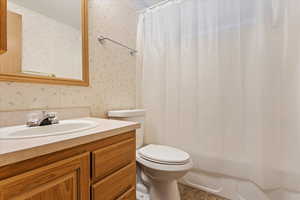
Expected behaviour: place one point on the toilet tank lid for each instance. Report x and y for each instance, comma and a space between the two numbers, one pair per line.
126, 113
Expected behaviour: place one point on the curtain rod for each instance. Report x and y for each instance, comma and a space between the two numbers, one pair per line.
156, 5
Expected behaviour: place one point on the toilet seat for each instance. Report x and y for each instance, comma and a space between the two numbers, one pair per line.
163, 167
164, 155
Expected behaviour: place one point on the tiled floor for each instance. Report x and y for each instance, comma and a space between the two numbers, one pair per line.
188, 193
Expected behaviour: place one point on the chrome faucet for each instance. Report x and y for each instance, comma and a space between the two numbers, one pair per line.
42, 119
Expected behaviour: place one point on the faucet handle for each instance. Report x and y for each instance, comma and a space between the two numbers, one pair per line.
52, 114
53, 117
33, 119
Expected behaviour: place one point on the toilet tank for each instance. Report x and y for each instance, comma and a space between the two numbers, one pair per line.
137, 115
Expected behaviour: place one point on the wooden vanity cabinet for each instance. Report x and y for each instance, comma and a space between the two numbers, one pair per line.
101, 170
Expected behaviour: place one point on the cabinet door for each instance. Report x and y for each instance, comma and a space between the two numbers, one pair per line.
63, 180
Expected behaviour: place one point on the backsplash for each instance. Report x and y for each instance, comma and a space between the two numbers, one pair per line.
112, 69
12, 118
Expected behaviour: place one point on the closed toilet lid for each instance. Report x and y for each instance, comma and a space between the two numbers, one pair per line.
164, 154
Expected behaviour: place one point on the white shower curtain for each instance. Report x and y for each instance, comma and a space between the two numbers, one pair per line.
221, 80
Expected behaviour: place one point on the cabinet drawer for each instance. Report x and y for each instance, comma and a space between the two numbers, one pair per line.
109, 159
115, 185
129, 195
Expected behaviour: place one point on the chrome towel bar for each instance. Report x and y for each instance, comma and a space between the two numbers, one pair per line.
101, 39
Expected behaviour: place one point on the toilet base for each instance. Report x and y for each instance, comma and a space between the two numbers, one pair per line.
164, 190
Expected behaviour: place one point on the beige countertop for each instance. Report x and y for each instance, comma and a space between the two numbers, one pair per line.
16, 150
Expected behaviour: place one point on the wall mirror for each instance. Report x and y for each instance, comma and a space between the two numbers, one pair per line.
47, 42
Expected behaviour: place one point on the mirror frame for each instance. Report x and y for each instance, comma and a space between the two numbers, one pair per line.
3, 26
10, 77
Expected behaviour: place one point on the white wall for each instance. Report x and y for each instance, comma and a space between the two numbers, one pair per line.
48, 45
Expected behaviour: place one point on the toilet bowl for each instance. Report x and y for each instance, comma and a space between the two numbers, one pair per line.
161, 166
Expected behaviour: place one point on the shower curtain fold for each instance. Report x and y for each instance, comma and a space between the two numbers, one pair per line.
221, 80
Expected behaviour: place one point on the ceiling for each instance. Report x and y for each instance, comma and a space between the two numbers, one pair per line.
65, 11
68, 11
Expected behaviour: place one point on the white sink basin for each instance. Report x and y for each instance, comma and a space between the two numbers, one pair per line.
64, 127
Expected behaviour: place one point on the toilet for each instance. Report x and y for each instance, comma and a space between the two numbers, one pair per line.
161, 166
